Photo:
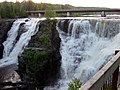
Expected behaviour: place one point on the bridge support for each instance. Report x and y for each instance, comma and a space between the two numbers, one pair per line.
32, 14
68, 14
39, 15
103, 14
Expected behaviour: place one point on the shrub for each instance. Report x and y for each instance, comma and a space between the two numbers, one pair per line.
50, 13
75, 84
44, 39
35, 60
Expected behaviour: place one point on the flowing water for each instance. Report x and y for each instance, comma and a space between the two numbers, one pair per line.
85, 48
17, 40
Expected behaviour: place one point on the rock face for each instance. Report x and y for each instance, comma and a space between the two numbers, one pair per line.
64, 24
40, 61
5, 26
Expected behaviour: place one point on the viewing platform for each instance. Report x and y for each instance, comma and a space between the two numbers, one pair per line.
107, 78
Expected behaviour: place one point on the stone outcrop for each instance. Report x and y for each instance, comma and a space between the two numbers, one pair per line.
5, 26
64, 24
40, 61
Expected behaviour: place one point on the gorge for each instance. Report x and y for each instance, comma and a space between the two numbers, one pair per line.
53, 52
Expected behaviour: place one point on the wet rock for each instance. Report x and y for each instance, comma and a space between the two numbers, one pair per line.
5, 26
40, 62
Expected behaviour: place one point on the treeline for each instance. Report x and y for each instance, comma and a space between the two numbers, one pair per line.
18, 9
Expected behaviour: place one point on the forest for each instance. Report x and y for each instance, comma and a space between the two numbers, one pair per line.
18, 9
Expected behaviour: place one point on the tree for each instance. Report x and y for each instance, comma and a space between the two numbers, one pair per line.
50, 13
75, 84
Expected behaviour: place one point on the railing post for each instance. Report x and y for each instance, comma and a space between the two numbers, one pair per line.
115, 76
103, 14
39, 14
68, 14
115, 79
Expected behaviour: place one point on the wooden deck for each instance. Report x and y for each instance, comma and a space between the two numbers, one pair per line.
107, 77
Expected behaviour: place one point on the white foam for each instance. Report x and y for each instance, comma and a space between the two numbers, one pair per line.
13, 48
85, 51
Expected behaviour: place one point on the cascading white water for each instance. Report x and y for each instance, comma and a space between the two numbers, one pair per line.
84, 50
12, 47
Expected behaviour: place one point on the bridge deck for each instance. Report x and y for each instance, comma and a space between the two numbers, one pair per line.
77, 11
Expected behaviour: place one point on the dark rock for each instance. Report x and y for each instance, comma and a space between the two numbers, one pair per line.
1, 50
5, 26
63, 25
20, 31
40, 62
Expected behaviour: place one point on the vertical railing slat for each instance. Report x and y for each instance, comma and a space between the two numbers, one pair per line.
115, 79
115, 76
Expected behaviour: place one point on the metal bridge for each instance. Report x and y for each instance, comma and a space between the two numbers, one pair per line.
68, 12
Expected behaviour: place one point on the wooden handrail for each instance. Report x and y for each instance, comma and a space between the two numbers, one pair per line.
106, 77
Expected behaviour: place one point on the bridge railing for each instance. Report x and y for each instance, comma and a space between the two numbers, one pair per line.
69, 11
107, 77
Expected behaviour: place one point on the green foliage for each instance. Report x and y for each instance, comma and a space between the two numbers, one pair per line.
75, 84
46, 27
18, 9
34, 55
44, 39
12, 10
34, 60
50, 13
32, 64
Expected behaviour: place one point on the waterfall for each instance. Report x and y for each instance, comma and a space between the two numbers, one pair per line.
16, 42
86, 46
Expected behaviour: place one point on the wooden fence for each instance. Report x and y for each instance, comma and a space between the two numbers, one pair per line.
107, 77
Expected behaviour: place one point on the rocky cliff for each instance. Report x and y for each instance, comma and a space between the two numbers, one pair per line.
40, 61
5, 26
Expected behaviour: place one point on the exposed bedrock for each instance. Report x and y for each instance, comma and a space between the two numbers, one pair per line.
40, 61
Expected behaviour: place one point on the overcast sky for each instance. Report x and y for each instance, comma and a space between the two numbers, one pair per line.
88, 3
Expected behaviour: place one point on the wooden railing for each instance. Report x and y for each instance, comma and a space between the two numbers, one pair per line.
107, 77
